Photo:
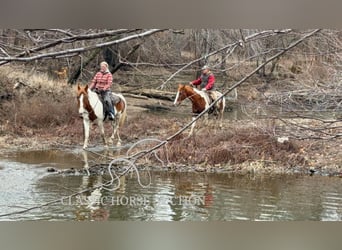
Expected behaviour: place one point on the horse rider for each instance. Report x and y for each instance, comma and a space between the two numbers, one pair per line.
206, 81
101, 84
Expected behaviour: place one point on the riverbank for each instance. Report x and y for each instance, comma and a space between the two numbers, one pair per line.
43, 117
240, 146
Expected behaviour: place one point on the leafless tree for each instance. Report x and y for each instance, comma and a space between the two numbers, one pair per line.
307, 78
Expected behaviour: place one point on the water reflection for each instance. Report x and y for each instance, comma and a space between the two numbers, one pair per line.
87, 205
207, 197
170, 197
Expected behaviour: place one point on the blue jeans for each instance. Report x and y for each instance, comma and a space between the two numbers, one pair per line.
105, 94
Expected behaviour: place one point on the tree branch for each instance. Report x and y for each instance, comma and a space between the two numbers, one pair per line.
78, 50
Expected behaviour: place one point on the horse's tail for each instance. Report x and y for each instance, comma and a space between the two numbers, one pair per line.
123, 117
124, 111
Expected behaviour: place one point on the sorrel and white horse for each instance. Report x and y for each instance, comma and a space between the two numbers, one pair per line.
200, 101
90, 108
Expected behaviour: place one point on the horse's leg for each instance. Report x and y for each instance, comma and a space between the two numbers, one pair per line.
115, 125
85, 159
101, 128
221, 111
86, 125
118, 134
192, 126
206, 119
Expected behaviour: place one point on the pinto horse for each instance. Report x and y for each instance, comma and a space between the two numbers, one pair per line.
200, 101
90, 108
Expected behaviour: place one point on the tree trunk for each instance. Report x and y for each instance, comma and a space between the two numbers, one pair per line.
76, 74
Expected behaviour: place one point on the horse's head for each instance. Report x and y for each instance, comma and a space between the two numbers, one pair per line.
82, 99
181, 94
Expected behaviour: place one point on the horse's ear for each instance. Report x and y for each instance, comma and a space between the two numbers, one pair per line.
86, 88
78, 87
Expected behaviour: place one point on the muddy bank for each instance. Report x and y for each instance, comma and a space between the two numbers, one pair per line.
240, 146
254, 168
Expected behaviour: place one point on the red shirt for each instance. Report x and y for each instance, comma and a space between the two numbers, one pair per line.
102, 81
210, 84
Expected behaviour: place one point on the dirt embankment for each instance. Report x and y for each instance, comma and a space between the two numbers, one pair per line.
40, 117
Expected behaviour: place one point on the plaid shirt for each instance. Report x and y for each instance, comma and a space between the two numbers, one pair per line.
102, 81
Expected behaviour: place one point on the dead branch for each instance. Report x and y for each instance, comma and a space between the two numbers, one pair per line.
77, 51
71, 38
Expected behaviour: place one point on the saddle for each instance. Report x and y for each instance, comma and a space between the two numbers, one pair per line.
115, 99
212, 95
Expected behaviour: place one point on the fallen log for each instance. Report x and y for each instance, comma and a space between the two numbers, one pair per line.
149, 93
136, 96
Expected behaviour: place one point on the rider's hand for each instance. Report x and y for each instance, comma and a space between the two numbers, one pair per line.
190, 83
204, 89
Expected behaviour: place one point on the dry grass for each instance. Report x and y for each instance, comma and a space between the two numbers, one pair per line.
234, 144
34, 79
40, 103
234, 147
40, 112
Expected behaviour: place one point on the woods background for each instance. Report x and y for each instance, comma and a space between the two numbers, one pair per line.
40, 67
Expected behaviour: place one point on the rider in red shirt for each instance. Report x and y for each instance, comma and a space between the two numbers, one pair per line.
206, 80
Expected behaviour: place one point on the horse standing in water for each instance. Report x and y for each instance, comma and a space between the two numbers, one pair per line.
90, 108
200, 101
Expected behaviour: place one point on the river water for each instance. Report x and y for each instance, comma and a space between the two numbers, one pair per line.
186, 196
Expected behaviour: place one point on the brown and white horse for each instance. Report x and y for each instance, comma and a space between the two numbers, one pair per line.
90, 108
200, 101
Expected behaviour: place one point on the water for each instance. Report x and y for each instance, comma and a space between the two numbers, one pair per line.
25, 183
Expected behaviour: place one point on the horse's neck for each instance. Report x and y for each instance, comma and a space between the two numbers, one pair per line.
198, 98
93, 98
95, 103
189, 91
